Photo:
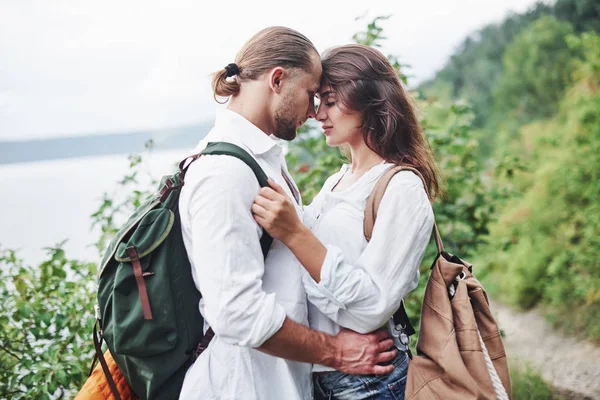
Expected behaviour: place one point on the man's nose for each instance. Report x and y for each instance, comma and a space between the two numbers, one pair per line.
311, 111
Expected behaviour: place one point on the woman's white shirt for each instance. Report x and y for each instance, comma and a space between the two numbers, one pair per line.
362, 283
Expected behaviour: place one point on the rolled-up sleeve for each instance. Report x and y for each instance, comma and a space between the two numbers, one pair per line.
227, 257
363, 295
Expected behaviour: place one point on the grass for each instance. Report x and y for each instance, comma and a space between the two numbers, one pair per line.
527, 384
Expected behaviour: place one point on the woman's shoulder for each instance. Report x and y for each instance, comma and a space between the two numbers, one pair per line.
407, 183
407, 178
407, 188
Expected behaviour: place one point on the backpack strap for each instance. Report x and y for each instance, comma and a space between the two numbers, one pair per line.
377, 195
230, 149
373, 202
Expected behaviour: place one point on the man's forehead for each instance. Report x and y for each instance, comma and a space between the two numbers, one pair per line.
317, 71
317, 77
313, 81
309, 82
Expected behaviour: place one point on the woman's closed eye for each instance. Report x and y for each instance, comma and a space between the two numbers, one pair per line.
329, 99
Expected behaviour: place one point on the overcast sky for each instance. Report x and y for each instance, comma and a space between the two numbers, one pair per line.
78, 67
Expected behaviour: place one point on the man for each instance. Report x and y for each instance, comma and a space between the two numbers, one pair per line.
262, 347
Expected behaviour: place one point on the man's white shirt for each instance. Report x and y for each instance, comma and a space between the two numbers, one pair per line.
245, 299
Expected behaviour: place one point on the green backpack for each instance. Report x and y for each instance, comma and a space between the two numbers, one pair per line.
147, 309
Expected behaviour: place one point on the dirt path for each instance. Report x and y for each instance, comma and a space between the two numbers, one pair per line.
568, 364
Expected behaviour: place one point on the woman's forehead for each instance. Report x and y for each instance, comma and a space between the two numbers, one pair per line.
325, 90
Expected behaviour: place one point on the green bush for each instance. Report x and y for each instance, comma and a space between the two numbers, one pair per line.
46, 322
543, 248
537, 68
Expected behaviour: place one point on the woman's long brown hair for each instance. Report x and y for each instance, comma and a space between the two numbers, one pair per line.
366, 82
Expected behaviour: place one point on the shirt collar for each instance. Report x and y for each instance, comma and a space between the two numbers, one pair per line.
257, 141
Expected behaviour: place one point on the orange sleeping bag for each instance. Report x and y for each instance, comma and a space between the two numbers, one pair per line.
96, 386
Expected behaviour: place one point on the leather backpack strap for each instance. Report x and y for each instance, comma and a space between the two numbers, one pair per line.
376, 196
373, 202
98, 338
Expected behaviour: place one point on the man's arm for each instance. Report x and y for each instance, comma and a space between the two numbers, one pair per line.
348, 351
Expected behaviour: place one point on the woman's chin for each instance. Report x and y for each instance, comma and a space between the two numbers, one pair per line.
331, 142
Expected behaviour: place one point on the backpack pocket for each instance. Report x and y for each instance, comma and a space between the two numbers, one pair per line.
143, 312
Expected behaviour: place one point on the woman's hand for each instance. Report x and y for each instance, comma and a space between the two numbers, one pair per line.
275, 212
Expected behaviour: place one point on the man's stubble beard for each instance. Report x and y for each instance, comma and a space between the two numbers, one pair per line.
285, 127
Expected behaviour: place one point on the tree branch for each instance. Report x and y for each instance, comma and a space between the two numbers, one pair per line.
10, 352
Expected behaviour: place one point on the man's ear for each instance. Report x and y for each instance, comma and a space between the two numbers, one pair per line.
275, 79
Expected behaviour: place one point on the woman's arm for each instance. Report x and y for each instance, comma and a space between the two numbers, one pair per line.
274, 211
308, 250
362, 296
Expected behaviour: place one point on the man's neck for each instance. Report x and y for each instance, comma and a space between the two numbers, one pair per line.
254, 111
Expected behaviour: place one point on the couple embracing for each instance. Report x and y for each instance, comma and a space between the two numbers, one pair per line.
312, 319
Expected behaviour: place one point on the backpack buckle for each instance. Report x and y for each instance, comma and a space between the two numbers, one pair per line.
165, 190
399, 332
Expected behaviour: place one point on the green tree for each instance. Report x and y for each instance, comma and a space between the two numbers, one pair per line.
583, 14
537, 69
472, 71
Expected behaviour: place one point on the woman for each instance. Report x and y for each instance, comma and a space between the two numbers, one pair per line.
350, 282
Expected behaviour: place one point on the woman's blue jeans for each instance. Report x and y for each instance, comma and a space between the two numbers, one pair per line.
340, 386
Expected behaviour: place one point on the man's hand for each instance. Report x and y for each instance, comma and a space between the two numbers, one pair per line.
348, 351
361, 354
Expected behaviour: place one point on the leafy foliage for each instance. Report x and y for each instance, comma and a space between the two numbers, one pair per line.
472, 72
45, 325
546, 240
527, 384
537, 67
533, 81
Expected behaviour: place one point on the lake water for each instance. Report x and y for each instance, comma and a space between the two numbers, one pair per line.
44, 203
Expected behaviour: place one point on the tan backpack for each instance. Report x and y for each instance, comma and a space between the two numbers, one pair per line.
460, 354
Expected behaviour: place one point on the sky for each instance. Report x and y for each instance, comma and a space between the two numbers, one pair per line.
83, 67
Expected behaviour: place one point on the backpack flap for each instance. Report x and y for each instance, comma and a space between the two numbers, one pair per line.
152, 230
126, 230
136, 314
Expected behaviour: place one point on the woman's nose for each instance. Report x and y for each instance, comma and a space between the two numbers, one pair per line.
321, 114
